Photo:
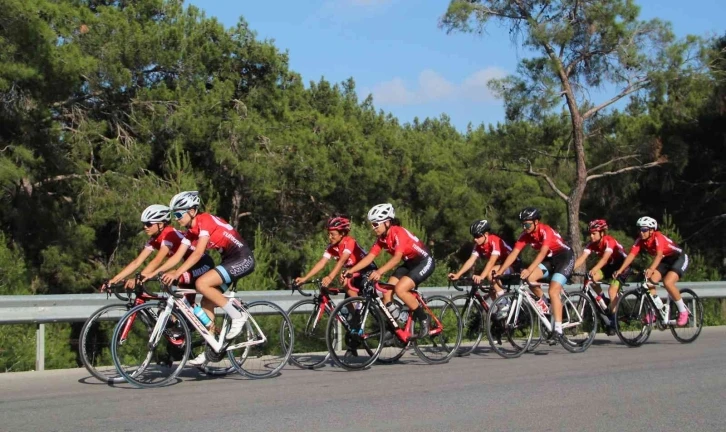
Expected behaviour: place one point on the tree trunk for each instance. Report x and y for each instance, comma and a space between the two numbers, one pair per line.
575, 198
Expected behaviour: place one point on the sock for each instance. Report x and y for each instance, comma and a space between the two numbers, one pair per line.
419, 314
231, 311
558, 327
681, 305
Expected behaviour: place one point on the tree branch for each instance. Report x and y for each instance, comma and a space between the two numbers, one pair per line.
626, 169
612, 161
632, 88
551, 155
531, 172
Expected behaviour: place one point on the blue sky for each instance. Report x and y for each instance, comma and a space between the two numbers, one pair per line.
394, 49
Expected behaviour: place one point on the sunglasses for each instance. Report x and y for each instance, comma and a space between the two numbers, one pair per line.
527, 225
644, 229
479, 236
179, 215
148, 224
377, 224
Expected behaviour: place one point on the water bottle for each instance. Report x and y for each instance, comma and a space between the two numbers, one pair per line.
203, 317
403, 316
600, 302
658, 302
396, 312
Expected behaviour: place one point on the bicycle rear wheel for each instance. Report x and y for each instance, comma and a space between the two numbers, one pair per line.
631, 312
265, 344
694, 305
94, 345
579, 322
310, 322
143, 362
355, 343
444, 335
473, 318
516, 326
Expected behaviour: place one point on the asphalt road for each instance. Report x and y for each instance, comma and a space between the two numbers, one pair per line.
662, 386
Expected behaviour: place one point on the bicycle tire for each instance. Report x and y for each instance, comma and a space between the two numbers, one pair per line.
439, 348
629, 318
307, 349
695, 315
473, 320
353, 340
87, 350
135, 378
525, 317
273, 354
585, 308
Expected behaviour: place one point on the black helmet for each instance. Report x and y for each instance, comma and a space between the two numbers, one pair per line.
530, 213
479, 227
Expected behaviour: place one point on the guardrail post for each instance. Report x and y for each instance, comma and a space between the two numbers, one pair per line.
40, 347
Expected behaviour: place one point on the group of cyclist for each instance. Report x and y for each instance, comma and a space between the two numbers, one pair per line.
411, 261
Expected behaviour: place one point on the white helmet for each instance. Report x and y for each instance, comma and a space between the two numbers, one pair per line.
381, 212
185, 200
156, 213
647, 222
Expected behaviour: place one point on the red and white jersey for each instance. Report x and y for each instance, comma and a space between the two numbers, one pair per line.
657, 242
607, 244
543, 235
399, 239
346, 245
494, 246
168, 237
222, 236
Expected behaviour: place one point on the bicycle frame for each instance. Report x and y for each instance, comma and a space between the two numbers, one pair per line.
661, 313
524, 295
322, 300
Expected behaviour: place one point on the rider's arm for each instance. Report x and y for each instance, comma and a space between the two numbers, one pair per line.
464, 268
656, 261
313, 271
509, 261
194, 258
486, 273
133, 265
174, 260
628, 260
393, 262
339, 265
365, 262
539, 258
156, 262
582, 258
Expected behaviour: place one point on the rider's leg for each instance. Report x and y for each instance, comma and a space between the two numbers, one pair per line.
669, 282
534, 285
556, 301
497, 284
403, 288
207, 285
388, 294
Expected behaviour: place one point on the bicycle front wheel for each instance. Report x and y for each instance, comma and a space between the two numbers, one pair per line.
146, 358
473, 319
94, 346
634, 317
265, 344
355, 339
579, 322
511, 319
309, 320
445, 331
694, 305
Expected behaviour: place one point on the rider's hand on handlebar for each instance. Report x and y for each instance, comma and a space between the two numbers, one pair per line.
615, 275
524, 274
168, 278
299, 281
327, 280
648, 273
477, 279
375, 276
130, 284
452, 276
105, 286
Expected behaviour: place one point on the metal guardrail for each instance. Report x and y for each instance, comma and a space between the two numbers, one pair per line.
43, 309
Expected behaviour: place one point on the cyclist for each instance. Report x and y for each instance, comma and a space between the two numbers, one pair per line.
342, 248
166, 240
554, 260
418, 264
487, 246
669, 263
612, 254
210, 232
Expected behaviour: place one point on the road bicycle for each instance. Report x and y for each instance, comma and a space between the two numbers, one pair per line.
604, 315
473, 307
524, 322
370, 327
94, 346
261, 349
310, 318
636, 313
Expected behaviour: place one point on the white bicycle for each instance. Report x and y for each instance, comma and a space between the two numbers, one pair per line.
516, 317
150, 344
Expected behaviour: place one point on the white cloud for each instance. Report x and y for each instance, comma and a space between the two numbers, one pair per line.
433, 87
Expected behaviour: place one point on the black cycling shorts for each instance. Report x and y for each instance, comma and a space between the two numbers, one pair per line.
562, 263
235, 267
418, 270
204, 264
677, 264
609, 269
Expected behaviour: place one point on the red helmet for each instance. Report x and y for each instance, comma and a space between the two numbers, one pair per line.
597, 225
338, 223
